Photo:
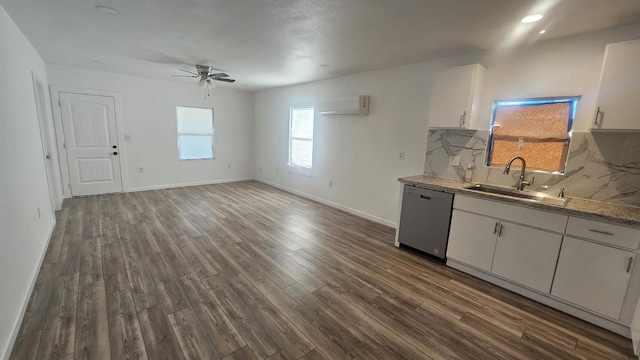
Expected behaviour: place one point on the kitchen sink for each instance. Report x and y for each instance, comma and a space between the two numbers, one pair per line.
531, 196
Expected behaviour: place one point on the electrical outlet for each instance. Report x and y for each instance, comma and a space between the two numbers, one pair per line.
39, 212
454, 160
228, 165
260, 169
140, 170
330, 183
401, 156
277, 170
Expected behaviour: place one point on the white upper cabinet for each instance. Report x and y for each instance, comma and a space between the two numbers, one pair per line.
455, 97
618, 107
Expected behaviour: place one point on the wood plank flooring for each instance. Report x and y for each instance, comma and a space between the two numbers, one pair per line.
246, 271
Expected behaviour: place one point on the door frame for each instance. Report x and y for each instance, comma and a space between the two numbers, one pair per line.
57, 117
49, 147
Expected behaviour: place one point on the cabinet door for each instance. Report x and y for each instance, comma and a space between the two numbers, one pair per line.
527, 256
618, 105
593, 276
452, 96
472, 239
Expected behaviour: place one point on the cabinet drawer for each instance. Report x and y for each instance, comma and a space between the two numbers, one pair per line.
616, 235
514, 213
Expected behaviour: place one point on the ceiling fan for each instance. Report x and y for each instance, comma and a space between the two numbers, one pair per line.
206, 74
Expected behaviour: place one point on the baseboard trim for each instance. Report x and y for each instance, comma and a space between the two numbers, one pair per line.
8, 346
365, 215
195, 183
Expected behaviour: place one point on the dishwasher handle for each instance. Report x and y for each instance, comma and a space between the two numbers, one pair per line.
425, 197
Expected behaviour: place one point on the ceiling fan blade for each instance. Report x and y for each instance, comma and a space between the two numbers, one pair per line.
190, 72
218, 75
225, 80
189, 76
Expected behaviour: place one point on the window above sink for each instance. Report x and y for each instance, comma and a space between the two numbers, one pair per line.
537, 129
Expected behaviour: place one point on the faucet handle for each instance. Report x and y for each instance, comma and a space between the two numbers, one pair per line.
561, 194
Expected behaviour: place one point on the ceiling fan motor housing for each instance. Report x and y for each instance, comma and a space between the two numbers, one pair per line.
203, 70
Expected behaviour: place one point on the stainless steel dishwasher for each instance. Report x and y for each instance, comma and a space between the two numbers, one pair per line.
425, 220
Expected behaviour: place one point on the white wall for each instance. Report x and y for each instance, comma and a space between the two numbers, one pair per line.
23, 235
561, 67
149, 117
360, 155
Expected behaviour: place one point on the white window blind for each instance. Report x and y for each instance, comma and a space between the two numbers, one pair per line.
195, 133
301, 137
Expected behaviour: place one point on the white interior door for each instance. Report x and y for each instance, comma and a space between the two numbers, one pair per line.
91, 141
47, 148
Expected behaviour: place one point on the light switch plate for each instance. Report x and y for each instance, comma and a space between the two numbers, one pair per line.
454, 160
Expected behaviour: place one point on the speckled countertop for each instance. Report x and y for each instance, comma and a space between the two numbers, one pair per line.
595, 210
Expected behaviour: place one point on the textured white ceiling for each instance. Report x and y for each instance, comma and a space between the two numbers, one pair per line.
269, 43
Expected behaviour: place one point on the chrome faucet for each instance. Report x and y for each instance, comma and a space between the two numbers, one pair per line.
521, 181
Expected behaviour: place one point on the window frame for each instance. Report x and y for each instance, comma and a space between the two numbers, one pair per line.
212, 135
297, 168
573, 100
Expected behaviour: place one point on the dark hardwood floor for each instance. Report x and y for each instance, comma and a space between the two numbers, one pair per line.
246, 271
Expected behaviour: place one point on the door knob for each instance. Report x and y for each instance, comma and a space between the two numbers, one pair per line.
115, 153
48, 157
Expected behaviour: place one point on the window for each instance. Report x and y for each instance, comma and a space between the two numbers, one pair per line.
539, 130
301, 137
195, 133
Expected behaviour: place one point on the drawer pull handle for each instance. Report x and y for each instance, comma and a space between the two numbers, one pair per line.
425, 197
495, 229
598, 112
601, 232
629, 264
500, 231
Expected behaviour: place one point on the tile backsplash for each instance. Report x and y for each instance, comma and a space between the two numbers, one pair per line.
601, 166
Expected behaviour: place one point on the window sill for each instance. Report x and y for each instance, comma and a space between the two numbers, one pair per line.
298, 170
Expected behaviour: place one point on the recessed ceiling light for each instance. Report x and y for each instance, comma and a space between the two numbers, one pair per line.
531, 18
108, 10
542, 32
324, 65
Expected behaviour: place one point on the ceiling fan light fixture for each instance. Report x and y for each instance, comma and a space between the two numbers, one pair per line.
202, 84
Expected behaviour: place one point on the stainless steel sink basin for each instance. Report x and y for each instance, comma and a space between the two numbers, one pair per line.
531, 196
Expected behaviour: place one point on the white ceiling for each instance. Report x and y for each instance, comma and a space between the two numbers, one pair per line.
269, 43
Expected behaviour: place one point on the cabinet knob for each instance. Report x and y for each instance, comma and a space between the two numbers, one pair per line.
115, 153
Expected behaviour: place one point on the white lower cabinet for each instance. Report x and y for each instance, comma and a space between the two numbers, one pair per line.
526, 256
472, 239
593, 276
518, 253
581, 266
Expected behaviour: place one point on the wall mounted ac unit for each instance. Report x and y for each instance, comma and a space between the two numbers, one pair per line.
351, 106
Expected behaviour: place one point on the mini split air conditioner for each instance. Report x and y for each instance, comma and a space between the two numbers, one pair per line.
351, 106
